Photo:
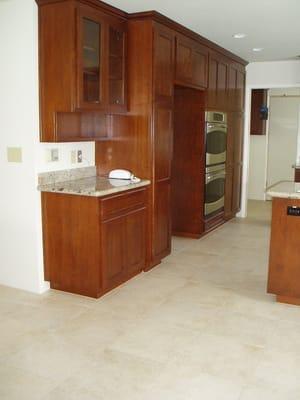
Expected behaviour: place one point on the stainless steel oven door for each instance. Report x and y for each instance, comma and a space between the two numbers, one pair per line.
216, 143
214, 189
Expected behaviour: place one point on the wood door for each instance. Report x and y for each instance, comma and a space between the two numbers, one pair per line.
191, 62
71, 243
92, 57
117, 76
163, 141
212, 102
135, 245
200, 66
232, 91
184, 59
222, 86
164, 39
240, 90
113, 252
217, 83
162, 220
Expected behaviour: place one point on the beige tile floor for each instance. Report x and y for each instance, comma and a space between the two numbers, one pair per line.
200, 326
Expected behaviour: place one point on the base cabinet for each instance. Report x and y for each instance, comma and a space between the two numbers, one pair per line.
92, 245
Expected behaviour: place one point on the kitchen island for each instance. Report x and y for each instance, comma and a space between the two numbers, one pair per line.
284, 261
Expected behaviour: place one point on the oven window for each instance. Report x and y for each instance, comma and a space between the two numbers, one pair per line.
214, 190
216, 142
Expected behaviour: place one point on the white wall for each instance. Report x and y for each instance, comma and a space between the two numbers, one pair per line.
263, 75
21, 263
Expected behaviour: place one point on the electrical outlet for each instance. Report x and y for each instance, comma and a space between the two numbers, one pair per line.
79, 156
73, 156
52, 155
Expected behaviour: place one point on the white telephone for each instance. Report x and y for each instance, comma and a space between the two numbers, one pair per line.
124, 175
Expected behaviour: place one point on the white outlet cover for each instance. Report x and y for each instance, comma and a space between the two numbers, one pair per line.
52, 155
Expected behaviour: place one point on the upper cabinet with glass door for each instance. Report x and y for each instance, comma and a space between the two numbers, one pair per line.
117, 67
101, 61
91, 71
82, 56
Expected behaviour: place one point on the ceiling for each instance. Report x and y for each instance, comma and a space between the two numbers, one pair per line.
269, 24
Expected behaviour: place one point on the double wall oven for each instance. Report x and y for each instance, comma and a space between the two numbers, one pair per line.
215, 173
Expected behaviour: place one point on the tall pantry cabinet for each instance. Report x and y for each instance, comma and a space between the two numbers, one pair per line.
147, 133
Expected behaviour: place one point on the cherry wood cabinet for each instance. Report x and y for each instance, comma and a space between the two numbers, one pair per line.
284, 271
82, 53
92, 245
188, 164
191, 62
217, 82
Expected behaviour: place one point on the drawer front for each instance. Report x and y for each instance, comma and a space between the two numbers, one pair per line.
122, 203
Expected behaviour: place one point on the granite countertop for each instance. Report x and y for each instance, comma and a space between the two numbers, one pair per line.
92, 186
284, 189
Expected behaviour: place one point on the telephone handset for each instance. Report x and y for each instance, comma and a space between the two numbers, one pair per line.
123, 174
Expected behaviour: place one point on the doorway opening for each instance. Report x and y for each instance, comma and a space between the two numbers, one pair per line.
274, 141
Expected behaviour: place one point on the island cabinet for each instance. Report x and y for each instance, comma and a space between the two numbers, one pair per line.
284, 264
91, 244
82, 53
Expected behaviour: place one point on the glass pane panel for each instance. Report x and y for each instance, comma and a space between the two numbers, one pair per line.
91, 61
216, 142
116, 66
214, 190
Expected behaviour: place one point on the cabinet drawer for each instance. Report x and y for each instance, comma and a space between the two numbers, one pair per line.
122, 203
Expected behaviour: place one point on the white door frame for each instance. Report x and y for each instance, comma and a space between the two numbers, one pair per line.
246, 147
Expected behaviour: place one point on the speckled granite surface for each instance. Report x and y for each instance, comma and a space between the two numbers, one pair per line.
284, 189
93, 186
49, 178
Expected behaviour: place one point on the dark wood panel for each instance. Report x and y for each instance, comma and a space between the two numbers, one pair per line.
71, 243
76, 126
188, 163
240, 85
222, 85
162, 220
297, 175
212, 84
258, 99
56, 71
284, 262
191, 62
118, 204
113, 252
136, 236
163, 137
163, 62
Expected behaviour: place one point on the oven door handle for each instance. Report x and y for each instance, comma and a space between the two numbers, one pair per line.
212, 177
212, 127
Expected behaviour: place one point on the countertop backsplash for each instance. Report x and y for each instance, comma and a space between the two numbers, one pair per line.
52, 177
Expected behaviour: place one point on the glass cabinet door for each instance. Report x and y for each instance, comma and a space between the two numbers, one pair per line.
91, 65
116, 66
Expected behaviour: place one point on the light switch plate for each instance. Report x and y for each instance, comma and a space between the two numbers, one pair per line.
14, 154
